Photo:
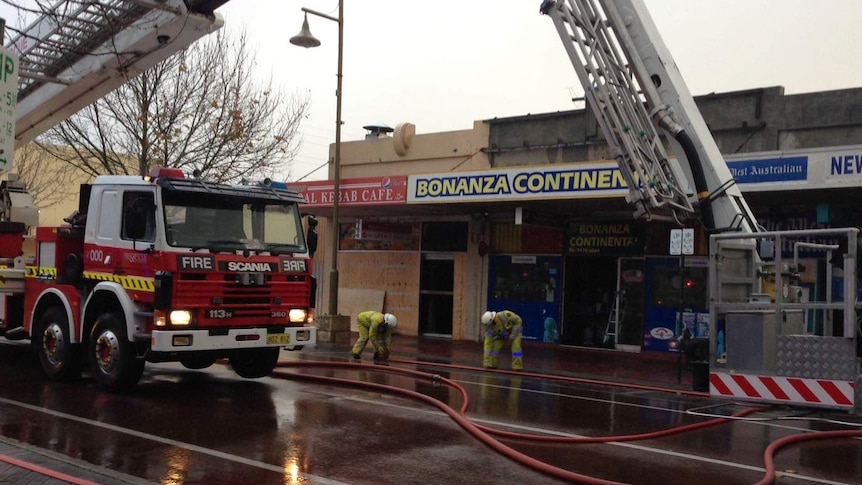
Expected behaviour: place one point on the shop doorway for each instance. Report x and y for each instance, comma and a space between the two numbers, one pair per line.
436, 294
590, 284
630, 304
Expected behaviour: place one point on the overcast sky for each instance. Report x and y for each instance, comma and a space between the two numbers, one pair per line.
442, 64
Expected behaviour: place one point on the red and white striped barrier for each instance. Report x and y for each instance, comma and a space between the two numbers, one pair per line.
785, 390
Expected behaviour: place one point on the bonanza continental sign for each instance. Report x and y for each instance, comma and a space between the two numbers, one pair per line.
785, 170
597, 179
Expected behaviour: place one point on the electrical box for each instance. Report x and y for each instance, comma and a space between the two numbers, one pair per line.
751, 337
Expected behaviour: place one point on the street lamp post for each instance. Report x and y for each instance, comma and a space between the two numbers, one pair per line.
305, 39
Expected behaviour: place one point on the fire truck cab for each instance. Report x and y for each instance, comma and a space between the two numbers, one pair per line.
165, 268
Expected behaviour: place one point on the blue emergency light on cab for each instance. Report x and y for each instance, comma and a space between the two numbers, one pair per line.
268, 182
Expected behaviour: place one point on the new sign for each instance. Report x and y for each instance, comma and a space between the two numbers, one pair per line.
809, 169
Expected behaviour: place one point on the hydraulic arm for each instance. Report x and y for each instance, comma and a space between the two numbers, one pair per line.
637, 93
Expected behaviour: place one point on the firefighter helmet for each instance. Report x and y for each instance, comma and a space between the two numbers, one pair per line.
487, 317
390, 320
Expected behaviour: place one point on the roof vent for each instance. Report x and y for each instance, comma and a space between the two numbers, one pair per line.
377, 130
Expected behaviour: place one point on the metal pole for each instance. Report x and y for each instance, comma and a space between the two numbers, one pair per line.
680, 323
336, 166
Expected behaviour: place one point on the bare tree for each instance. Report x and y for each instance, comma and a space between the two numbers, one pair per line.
199, 110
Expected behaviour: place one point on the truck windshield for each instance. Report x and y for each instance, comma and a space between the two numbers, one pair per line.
227, 224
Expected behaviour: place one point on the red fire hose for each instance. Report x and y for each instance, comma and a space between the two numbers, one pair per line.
484, 433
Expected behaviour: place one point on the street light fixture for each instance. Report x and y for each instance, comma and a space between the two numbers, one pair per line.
305, 39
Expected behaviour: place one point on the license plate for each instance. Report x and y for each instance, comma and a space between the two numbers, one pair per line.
278, 338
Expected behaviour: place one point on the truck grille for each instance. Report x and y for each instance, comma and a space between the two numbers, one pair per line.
248, 304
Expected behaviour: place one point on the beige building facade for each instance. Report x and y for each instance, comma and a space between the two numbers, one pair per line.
528, 214
382, 262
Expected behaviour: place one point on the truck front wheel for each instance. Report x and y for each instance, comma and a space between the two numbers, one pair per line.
60, 358
113, 360
254, 363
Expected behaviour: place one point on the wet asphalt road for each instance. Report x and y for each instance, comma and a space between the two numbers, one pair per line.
211, 427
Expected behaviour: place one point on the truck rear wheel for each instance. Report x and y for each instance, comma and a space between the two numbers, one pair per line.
60, 358
254, 363
114, 363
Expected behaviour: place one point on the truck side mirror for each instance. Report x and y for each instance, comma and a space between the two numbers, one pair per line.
311, 237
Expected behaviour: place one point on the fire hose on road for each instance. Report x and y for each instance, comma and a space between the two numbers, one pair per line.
485, 434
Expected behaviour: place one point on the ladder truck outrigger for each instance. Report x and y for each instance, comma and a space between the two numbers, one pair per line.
759, 346
161, 268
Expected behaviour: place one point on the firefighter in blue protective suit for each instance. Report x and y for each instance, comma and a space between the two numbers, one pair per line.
377, 327
499, 327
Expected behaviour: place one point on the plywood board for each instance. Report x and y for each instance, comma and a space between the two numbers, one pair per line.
394, 272
352, 301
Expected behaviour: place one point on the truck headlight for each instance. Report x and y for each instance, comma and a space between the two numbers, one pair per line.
181, 317
297, 315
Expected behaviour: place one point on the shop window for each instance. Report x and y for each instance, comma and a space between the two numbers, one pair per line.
524, 282
670, 287
529, 239
444, 236
379, 236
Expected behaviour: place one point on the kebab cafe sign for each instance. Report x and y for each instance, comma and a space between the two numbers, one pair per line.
582, 180
358, 191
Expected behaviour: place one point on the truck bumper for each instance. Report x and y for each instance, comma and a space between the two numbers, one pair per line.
241, 338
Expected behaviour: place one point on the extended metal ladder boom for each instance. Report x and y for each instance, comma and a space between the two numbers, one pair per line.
80, 50
634, 87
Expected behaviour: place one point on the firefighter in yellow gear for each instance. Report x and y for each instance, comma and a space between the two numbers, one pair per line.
377, 327
498, 328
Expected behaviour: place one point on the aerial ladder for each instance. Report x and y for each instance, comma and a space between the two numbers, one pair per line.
638, 95
78, 51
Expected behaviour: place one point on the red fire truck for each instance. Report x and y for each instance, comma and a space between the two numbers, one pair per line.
158, 269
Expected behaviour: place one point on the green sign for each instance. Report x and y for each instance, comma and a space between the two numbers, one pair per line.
8, 100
